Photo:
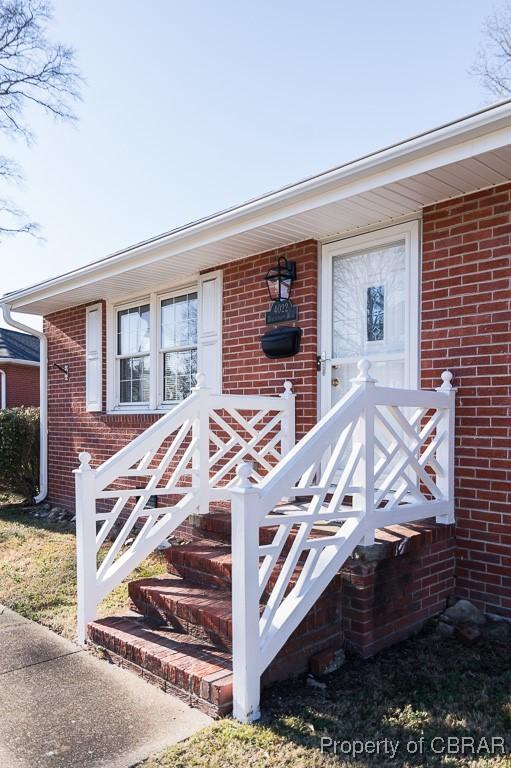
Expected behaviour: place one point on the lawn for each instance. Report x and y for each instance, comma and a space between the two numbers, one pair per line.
427, 688
414, 696
38, 572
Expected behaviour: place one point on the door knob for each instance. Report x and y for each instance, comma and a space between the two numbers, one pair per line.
335, 382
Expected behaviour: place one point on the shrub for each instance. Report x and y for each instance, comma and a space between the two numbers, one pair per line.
19, 450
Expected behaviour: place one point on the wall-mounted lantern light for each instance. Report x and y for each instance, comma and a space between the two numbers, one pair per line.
280, 279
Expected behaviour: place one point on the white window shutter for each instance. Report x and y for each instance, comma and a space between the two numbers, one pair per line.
93, 358
210, 329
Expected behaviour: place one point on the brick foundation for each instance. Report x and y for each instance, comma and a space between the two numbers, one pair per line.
390, 589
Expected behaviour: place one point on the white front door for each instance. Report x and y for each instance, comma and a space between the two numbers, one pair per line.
369, 308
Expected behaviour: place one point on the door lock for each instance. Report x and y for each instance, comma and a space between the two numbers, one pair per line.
336, 382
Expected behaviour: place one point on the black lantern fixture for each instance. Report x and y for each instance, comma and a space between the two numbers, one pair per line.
280, 279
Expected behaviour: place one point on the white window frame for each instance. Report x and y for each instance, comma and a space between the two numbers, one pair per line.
118, 357
154, 299
161, 403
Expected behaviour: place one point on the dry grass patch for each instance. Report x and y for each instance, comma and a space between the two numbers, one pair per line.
38, 572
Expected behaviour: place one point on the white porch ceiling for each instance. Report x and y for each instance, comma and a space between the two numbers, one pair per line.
470, 155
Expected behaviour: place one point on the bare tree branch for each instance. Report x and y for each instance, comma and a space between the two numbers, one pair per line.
34, 72
493, 63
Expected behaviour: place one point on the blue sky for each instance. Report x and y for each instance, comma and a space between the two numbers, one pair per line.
193, 106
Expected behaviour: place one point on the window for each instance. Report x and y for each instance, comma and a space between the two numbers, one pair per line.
133, 360
157, 342
178, 346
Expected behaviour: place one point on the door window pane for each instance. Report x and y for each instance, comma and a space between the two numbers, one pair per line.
368, 299
179, 371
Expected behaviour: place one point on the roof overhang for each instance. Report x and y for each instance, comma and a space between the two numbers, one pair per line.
18, 361
470, 154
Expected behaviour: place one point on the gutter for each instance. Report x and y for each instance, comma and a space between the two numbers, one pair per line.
43, 399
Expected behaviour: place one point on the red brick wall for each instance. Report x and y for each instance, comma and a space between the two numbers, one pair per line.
22, 384
466, 302
70, 428
246, 370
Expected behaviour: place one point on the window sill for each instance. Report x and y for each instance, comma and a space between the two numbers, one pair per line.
140, 411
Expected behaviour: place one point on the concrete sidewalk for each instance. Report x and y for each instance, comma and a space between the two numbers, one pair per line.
62, 708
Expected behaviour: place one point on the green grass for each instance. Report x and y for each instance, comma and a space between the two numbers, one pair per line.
426, 687
38, 572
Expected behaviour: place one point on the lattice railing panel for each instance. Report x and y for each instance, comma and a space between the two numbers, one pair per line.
238, 435
184, 461
380, 456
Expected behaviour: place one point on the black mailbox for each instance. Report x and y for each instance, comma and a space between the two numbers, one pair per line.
281, 342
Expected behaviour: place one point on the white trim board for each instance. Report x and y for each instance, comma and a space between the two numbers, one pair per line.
18, 361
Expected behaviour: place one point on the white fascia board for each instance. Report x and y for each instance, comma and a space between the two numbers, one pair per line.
480, 133
17, 361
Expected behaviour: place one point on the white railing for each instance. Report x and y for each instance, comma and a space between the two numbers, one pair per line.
380, 456
185, 460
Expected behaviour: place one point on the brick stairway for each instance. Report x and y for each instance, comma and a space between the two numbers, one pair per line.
179, 634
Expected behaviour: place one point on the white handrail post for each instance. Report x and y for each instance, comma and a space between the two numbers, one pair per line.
445, 451
288, 424
200, 432
288, 418
364, 434
86, 563
245, 597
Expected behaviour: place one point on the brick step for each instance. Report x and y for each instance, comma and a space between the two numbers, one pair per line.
204, 613
205, 563
216, 526
209, 563
201, 612
196, 671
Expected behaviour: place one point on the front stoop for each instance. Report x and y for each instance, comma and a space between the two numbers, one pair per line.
180, 639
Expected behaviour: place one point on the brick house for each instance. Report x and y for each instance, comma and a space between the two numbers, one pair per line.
402, 258
19, 369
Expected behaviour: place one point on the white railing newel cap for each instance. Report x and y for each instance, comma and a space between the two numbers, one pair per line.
200, 381
243, 472
84, 458
446, 382
364, 376
288, 389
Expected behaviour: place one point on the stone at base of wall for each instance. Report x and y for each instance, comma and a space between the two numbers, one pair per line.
390, 589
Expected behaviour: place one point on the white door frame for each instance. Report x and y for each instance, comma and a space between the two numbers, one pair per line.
409, 232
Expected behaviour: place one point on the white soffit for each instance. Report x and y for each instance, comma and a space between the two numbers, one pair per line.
472, 154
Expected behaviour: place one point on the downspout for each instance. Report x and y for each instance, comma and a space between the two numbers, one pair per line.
43, 399
3, 390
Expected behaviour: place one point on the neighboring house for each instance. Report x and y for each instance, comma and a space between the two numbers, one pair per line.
19, 369
402, 257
